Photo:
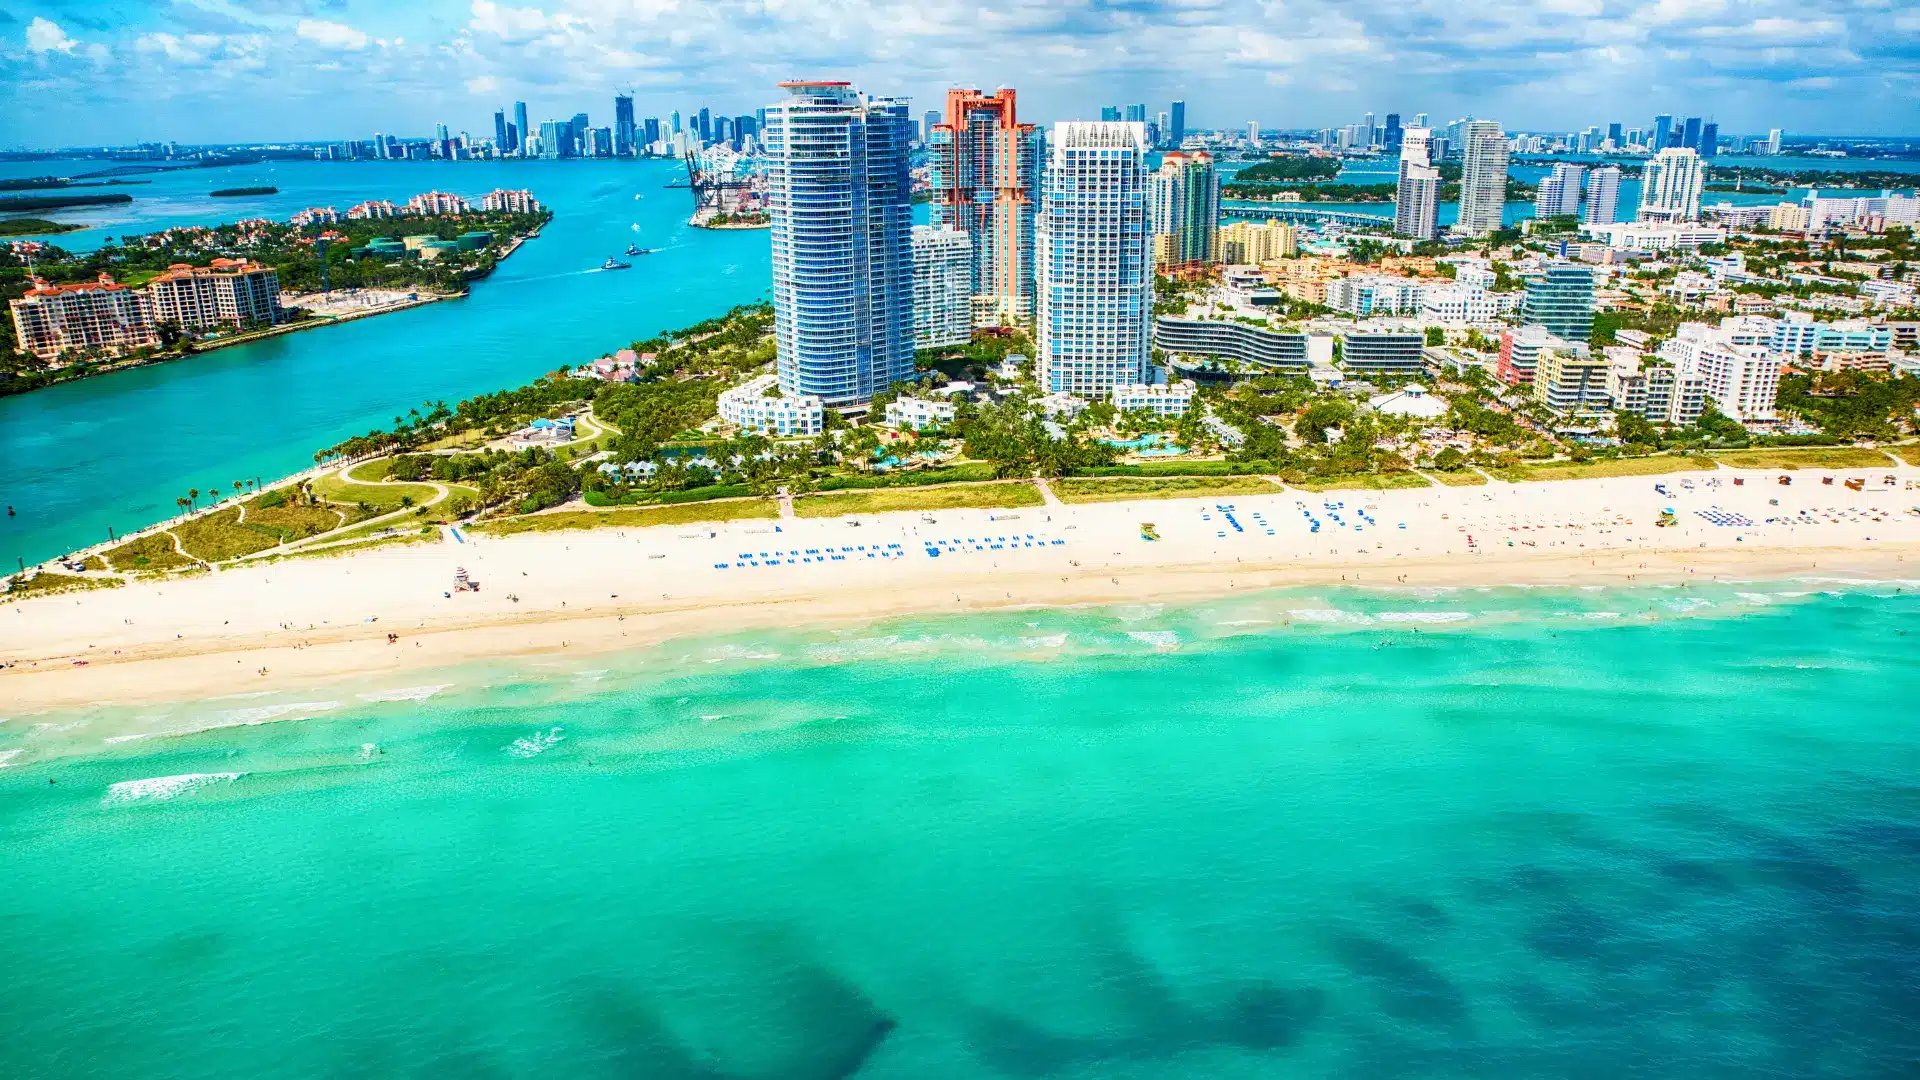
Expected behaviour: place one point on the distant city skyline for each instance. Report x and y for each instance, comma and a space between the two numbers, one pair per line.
89, 72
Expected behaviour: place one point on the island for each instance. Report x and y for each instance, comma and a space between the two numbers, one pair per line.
29, 226
17, 204
241, 192
319, 268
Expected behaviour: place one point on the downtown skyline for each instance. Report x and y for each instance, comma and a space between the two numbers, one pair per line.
199, 71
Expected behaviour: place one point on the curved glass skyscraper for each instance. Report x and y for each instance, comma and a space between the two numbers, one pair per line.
841, 200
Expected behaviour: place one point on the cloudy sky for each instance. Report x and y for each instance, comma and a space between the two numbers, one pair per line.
75, 72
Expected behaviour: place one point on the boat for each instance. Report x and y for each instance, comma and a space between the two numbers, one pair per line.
615, 264
635, 249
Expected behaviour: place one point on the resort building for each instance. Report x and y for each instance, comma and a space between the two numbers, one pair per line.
942, 287
512, 202
51, 320
1252, 243
1095, 269
1062, 406
434, 203
1483, 178
1520, 352
1561, 300
1218, 339
1559, 192
1364, 295
1655, 236
1382, 351
1410, 400
1185, 212
919, 413
1165, 400
986, 183
1670, 187
316, 215
226, 292
758, 405
840, 197
1417, 198
1570, 381
1741, 380
1657, 392
1457, 304
1603, 196
372, 209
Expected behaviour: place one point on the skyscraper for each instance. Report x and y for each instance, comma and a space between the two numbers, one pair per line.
520, 124
1773, 141
651, 133
1603, 196
1366, 131
1185, 211
1483, 178
1562, 301
1110, 114
556, 140
1613, 136
1662, 131
1670, 186
1417, 199
1690, 134
942, 287
705, 125
1136, 114
841, 201
1420, 120
1253, 132
986, 183
1095, 269
500, 131
1560, 190
623, 126
577, 133
1177, 134
675, 117
1393, 130
1709, 144
926, 127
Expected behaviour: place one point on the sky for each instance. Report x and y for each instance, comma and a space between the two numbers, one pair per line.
81, 72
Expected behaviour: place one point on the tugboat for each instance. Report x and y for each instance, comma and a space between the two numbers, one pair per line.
615, 264
635, 249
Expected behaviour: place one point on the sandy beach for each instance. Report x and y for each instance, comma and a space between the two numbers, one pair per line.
307, 621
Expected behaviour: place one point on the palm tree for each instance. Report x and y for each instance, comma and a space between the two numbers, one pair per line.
193, 495
236, 487
181, 503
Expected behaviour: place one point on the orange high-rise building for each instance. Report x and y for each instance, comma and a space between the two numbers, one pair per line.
986, 183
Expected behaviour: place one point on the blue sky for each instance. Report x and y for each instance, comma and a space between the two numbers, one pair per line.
87, 71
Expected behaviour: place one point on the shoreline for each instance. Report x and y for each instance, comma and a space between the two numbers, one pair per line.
277, 330
311, 621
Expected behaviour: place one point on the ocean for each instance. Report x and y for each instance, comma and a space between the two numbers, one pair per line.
1438, 833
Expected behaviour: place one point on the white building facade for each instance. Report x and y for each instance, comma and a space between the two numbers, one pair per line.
942, 287
751, 407
1095, 260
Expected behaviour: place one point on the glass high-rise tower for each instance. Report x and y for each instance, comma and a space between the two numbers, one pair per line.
1185, 211
1483, 178
1095, 260
1417, 196
841, 200
986, 183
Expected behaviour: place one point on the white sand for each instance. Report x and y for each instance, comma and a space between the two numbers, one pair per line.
311, 620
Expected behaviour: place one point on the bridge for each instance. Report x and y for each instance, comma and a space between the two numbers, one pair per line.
1300, 213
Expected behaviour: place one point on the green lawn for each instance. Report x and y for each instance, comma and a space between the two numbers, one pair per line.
1806, 457
287, 522
632, 517
151, 552
1366, 482
1462, 478
1007, 495
1908, 452
1086, 489
380, 497
1656, 465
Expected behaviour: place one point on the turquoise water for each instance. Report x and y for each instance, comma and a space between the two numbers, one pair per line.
1439, 834
116, 451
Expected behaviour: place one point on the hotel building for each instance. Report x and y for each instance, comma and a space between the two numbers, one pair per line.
1417, 199
942, 287
986, 183
1095, 266
840, 197
50, 320
1185, 212
1483, 178
228, 292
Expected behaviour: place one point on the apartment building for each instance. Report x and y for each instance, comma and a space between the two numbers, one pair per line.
226, 292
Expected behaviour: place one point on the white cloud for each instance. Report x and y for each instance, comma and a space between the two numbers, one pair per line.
483, 84
45, 35
331, 35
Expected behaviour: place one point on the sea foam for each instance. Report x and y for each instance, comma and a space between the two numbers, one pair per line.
7, 756
1159, 639
1423, 616
537, 743
155, 788
405, 693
